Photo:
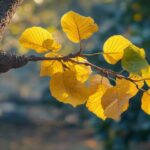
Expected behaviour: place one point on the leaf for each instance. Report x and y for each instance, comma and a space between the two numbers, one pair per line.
67, 89
82, 71
146, 75
116, 100
51, 67
133, 60
114, 48
131, 87
95, 80
146, 102
38, 39
98, 85
78, 27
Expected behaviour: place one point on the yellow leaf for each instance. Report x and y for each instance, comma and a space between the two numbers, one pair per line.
146, 75
67, 89
97, 80
130, 87
98, 86
114, 48
38, 39
115, 100
78, 27
50, 67
146, 102
82, 71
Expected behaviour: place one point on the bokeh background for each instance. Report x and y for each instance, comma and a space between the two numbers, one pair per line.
30, 119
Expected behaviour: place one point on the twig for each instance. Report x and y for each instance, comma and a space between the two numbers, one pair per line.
8, 61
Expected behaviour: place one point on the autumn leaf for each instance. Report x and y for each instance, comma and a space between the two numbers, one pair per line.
98, 86
116, 99
114, 48
131, 88
67, 89
133, 60
146, 102
38, 39
51, 67
146, 75
82, 71
78, 27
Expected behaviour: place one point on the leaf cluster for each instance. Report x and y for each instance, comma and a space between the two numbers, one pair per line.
76, 81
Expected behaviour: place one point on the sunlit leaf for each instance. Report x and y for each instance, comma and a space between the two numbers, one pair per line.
146, 75
50, 67
133, 60
38, 39
67, 89
78, 27
146, 102
98, 85
114, 48
95, 80
116, 100
132, 88
82, 71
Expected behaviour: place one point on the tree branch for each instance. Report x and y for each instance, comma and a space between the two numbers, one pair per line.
9, 61
7, 10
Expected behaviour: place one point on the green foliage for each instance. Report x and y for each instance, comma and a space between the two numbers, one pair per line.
133, 61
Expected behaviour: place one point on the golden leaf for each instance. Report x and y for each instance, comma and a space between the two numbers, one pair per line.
38, 39
114, 48
78, 27
98, 86
146, 102
67, 89
115, 100
146, 75
130, 86
51, 67
82, 71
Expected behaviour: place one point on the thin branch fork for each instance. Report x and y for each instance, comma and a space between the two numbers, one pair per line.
9, 61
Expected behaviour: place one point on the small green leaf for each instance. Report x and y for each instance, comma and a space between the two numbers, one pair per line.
133, 60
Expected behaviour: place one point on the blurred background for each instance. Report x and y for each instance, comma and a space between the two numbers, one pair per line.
30, 119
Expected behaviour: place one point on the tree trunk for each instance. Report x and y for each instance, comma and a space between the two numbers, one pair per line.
7, 10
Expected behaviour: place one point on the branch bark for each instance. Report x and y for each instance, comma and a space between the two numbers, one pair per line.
7, 10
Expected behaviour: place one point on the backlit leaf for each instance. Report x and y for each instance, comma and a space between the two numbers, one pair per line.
146, 75
50, 67
82, 71
38, 39
78, 27
133, 60
98, 85
146, 102
132, 89
114, 48
116, 100
67, 89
